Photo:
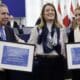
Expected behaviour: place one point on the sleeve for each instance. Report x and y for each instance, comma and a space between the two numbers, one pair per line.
33, 36
11, 36
63, 40
19, 40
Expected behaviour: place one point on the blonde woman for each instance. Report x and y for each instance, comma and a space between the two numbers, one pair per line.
48, 38
74, 36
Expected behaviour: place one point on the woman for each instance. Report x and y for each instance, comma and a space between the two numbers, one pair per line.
48, 38
73, 37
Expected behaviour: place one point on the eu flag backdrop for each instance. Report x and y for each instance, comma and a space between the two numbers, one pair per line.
16, 7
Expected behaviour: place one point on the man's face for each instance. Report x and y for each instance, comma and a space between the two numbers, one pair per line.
4, 15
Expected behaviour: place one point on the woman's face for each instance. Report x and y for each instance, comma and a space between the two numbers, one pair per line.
77, 16
49, 13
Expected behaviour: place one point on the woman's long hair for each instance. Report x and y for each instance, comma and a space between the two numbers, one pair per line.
74, 24
43, 22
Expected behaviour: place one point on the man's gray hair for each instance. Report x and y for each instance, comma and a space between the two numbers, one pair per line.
3, 5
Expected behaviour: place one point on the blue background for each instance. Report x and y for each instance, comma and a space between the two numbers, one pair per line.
16, 7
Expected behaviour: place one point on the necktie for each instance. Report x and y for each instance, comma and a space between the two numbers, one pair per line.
2, 34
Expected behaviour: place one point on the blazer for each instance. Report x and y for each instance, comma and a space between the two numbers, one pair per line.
10, 37
71, 36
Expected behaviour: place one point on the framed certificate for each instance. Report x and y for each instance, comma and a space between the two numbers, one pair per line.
73, 55
16, 56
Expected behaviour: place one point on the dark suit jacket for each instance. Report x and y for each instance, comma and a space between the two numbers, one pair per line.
71, 36
10, 37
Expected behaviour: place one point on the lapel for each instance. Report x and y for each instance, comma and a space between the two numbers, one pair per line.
71, 36
7, 33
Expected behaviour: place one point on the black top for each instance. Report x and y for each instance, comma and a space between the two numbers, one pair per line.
71, 36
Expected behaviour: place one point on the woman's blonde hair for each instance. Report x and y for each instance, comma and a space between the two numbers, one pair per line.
74, 24
43, 22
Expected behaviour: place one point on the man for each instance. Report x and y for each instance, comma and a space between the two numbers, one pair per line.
6, 33
4, 18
